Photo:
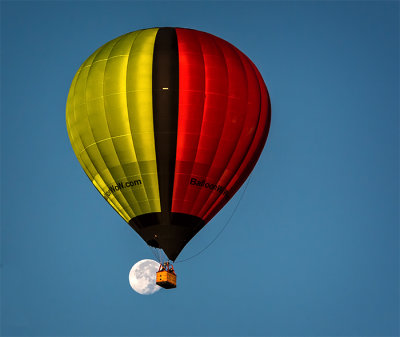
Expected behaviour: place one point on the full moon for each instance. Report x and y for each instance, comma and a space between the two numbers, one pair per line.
142, 277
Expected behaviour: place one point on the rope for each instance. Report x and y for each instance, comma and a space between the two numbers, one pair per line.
158, 254
153, 251
223, 228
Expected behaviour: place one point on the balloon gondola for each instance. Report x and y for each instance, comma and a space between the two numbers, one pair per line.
166, 276
168, 123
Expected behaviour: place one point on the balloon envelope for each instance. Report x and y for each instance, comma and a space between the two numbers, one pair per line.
168, 123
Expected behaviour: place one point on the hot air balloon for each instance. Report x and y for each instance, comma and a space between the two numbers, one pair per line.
168, 123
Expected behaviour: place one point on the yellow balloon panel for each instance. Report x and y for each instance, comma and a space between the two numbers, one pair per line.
110, 123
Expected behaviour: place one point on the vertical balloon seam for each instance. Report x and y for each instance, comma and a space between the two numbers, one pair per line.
262, 132
146, 186
182, 135
223, 199
90, 162
71, 102
265, 100
79, 154
71, 111
203, 209
113, 200
181, 115
195, 208
136, 154
199, 223
72, 106
118, 198
241, 142
210, 40
74, 140
211, 198
257, 151
121, 196
71, 95
220, 202
204, 40
116, 203
233, 188
140, 114
78, 140
265, 105
197, 38
136, 193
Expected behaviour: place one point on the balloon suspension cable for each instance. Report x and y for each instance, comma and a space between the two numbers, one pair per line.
222, 229
153, 252
159, 254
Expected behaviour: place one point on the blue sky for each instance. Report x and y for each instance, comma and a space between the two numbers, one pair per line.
313, 248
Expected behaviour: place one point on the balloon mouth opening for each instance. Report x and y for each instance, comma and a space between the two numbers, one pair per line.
168, 231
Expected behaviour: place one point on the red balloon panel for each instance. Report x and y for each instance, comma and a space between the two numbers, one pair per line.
223, 123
